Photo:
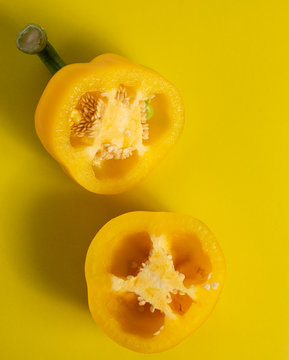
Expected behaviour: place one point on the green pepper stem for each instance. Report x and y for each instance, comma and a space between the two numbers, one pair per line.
33, 40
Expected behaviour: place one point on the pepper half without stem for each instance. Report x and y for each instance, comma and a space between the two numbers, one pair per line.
33, 40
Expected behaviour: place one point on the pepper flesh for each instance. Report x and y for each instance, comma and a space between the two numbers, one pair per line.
94, 119
159, 278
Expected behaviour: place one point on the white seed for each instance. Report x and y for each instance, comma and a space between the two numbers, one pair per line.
142, 303
129, 277
182, 277
170, 257
207, 286
126, 152
152, 309
174, 291
209, 276
182, 293
160, 329
214, 285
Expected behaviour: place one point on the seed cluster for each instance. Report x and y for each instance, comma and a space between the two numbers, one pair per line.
142, 301
121, 95
145, 125
89, 114
108, 152
91, 110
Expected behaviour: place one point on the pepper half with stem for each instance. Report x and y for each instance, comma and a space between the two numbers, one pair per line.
108, 122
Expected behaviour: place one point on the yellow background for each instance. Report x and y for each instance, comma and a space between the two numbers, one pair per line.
230, 60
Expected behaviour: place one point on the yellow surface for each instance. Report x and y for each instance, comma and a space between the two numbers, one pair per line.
230, 60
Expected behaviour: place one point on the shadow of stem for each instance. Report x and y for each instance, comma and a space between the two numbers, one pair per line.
62, 225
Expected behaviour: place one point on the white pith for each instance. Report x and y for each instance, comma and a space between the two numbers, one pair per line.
156, 280
116, 129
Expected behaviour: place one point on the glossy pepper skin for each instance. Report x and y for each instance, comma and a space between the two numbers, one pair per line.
153, 278
121, 146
